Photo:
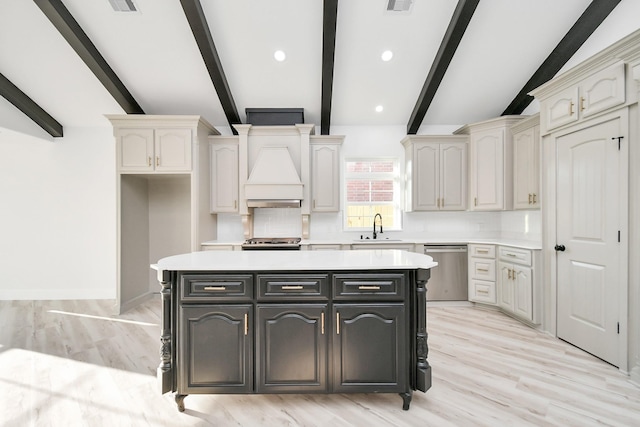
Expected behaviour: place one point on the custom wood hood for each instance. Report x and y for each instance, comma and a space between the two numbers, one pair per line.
274, 170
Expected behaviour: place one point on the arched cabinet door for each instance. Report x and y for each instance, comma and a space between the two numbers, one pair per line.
292, 348
370, 348
216, 349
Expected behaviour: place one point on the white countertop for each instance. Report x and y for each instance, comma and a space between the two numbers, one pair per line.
295, 260
518, 243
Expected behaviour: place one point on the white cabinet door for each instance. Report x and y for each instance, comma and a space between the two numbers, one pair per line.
325, 178
172, 150
426, 179
436, 168
505, 286
562, 108
224, 177
453, 176
598, 92
526, 169
149, 150
522, 291
487, 170
602, 90
135, 150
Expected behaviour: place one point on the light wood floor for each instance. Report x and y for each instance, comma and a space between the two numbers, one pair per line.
70, 363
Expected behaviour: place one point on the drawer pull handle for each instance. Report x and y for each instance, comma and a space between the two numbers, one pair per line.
369, 288
292, 287
482, 292
215, 288
322, 321
483, 269
511, 255
482, 251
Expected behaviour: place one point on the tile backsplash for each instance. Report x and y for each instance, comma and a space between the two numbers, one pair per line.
277, 222
280, 222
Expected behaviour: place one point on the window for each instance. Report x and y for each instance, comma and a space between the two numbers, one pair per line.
372, 186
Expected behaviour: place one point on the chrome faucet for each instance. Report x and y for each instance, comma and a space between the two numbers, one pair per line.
375, 235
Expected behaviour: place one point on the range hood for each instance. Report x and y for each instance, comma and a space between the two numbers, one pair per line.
274, 181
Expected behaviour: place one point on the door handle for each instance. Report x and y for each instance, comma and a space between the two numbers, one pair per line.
559, 248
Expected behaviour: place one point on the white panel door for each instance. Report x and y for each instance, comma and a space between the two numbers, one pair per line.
588, 251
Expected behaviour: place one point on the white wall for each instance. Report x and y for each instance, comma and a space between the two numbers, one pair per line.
58, 215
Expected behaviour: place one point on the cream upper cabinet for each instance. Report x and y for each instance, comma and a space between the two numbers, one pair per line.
223, 160
491, 163
325, 172
595, 93
436, 170
526, 164
154, 150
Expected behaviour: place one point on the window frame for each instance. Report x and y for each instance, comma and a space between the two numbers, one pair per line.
396, 203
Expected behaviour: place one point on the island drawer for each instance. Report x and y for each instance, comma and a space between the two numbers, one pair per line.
369, 286
214, 287
293, 286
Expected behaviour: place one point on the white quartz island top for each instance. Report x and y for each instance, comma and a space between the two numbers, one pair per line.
295, 260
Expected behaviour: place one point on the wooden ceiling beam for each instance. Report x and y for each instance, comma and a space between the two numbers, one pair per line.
329, 24
200, 29
32, 110
457, 26
69, 28
589, 21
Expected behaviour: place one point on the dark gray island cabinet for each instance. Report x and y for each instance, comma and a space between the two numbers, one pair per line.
294, 322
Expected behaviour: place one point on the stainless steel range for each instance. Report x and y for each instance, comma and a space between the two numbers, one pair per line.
272, 243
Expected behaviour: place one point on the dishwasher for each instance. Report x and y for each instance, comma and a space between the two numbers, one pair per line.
448, 280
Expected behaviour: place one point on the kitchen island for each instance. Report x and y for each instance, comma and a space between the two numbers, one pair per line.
294, 322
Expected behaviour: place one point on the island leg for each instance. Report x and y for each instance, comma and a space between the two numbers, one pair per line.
406, 400
165, 370
423, 371
180, 401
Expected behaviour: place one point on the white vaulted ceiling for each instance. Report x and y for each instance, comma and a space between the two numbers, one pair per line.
154, 53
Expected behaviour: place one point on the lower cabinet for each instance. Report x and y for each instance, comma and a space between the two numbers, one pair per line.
216, 349
291, 342
518, 288
294, 333
368, 346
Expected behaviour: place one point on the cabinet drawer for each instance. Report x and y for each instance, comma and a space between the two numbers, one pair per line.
520, 256
482, 291
368, 286
482, 251
212, 287
483, 269
294, 286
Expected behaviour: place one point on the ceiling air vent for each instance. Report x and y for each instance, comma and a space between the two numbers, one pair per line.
399, 5
123, 5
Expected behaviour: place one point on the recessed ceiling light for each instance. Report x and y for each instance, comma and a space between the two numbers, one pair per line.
379, 108
279, 55
387, 55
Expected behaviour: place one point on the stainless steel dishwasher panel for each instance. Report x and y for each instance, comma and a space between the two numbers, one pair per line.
448, 280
